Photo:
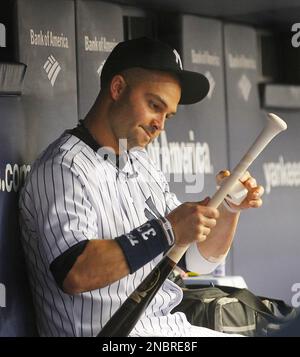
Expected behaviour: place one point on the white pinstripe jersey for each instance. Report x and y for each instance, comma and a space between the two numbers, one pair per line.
73, 194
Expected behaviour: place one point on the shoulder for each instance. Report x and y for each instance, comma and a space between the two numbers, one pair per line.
65, 152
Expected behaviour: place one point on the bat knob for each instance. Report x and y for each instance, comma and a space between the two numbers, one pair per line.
277, 123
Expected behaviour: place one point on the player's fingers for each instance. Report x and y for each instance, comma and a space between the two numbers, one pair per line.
201, 238
221, 175
256, 193
204, 202
245, 176
202, 234
204, 230
255, 203
208, 212
250, 183
206, 222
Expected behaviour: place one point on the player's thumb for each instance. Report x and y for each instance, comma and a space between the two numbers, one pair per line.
205, 201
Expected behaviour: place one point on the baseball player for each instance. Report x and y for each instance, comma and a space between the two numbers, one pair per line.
97, 215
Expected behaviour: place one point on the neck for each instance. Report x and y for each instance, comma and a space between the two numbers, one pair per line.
97, 122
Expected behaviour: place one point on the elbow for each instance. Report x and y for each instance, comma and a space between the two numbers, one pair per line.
76, 283
71, 284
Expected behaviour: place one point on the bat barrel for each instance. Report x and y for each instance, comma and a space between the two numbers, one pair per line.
273, 127
276, 122
126, 317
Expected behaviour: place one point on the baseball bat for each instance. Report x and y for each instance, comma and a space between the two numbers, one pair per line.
125, 318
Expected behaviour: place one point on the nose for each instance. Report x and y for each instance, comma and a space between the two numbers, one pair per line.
158, 124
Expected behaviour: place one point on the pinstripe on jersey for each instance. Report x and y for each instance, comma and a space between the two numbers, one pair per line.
73, 194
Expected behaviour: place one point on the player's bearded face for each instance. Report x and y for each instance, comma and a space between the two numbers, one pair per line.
144, 108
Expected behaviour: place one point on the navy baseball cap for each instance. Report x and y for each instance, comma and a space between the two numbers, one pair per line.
155, 55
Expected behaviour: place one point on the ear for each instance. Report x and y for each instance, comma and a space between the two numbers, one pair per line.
117, 86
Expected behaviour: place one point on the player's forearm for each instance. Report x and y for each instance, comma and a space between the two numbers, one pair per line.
101, 263
221, 236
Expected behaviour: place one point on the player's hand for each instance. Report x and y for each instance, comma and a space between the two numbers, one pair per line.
253, 198
192, 221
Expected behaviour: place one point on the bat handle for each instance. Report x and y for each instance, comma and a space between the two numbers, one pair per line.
177, 252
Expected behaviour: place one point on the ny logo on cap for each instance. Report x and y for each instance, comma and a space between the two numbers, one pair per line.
178, 59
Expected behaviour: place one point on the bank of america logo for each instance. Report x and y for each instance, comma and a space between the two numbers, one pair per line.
52, 69
245, 86
99, 70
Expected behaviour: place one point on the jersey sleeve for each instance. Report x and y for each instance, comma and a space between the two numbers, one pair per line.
195, 261
64, 211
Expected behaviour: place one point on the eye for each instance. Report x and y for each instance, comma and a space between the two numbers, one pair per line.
170, 116
154, 105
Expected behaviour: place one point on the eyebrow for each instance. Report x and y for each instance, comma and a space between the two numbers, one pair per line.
159, 98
